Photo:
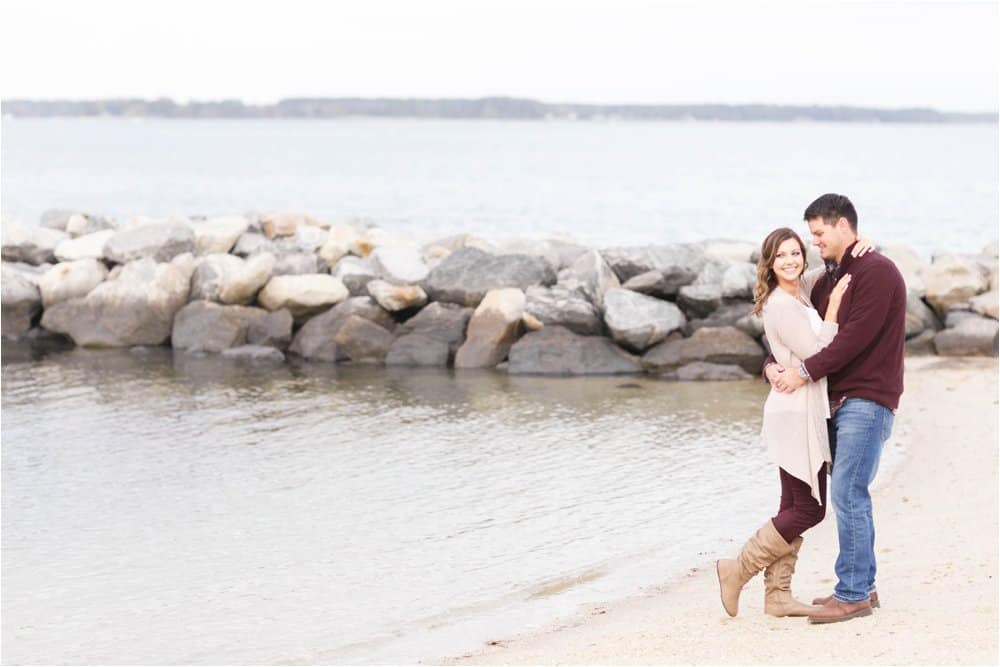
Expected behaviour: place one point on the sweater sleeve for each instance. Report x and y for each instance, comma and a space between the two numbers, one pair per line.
870, 305
808, 281
788, 325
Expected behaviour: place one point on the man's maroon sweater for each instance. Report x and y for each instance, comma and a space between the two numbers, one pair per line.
865, 359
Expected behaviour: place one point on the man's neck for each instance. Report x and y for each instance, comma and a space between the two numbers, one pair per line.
847, 247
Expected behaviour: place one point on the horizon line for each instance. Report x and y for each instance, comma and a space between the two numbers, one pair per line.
482, 98
479, 108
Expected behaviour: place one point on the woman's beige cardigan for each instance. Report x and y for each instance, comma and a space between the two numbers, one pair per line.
794, 427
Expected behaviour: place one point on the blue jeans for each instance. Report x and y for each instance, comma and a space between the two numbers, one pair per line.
857, 432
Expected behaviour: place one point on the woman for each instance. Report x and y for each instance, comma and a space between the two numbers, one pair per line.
794, 424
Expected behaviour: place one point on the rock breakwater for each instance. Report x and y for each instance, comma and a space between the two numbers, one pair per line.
280, 286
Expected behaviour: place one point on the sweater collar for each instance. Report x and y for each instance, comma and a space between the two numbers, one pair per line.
835, 270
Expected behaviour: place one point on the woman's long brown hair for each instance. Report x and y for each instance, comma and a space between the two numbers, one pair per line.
766, 280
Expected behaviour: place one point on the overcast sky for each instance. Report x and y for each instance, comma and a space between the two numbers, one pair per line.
886, 54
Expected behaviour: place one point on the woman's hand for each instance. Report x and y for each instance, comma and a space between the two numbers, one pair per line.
836, 296
862, 247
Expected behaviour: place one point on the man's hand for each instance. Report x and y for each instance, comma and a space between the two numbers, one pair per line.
788, 381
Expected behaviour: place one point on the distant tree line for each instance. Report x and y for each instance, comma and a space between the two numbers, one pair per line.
487, 107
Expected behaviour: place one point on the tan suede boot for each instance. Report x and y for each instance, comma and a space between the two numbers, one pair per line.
766, 546
778, 599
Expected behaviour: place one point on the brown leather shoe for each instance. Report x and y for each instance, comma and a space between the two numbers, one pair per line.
824, 601
836, 611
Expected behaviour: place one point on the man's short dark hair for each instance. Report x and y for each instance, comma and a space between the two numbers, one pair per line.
832, 207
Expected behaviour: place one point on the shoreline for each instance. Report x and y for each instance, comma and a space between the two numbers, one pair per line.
940, 603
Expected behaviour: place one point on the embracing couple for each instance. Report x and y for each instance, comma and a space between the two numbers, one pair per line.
836, 335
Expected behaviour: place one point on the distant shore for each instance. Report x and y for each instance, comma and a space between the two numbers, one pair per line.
496, 108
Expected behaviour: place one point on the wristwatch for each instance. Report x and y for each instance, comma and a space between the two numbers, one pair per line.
803, 373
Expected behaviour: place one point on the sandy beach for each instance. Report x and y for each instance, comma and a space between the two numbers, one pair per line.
937, 543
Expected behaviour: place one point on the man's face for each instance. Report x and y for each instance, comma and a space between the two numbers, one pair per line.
830, 240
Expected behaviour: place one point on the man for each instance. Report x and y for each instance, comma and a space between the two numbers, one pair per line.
864, 370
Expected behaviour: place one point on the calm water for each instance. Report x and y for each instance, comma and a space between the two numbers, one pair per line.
161, 509
931, 186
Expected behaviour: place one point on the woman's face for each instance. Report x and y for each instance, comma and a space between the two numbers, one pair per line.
788, 261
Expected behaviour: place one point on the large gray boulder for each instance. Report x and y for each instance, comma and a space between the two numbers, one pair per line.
971, 336
274, 329
559, 305
90, 246
431, 337
637, 321
210, 327
21, 300
137, 307
466, 275
737, 314
302, 295
590, 275
32, 272
723, 345
739, 280
363, 341
702, 297
159, 241
679, 263
399, 264
69, 280
494, 327
952, 280
652, 283
986, 304
555, 350
921, 345
418, 350
230, 279
699, 301
919, 316
910, 265
559, 253
316, 338
957, 316
218, 235
445, 321
31, 245
253, 243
